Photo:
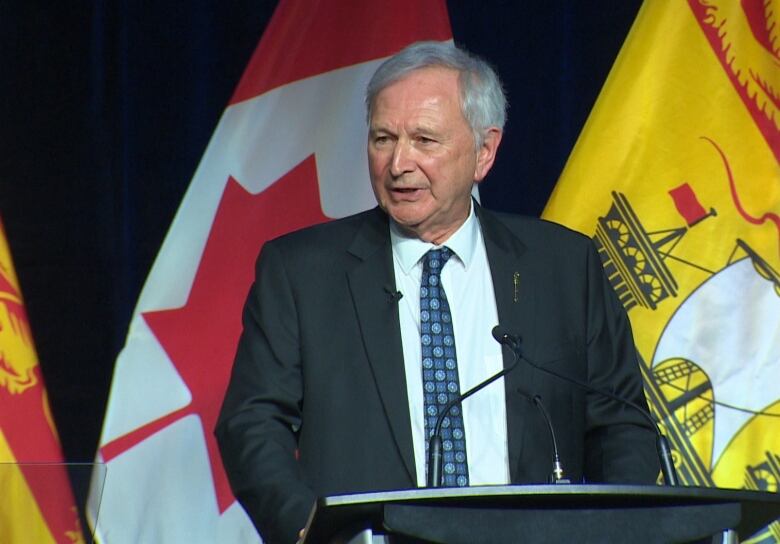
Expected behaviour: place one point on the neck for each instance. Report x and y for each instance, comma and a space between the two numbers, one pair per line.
436, 236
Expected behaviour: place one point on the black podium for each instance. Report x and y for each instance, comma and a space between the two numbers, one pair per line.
542, 513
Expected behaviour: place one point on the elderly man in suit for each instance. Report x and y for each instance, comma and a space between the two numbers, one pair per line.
357, 332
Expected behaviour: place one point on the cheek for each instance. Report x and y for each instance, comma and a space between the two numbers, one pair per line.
376, 164
377, 185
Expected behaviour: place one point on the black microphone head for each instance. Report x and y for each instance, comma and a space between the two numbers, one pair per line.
499, 334
392, 294
505, 339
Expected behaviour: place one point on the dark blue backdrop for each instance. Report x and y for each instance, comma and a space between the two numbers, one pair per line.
106, 108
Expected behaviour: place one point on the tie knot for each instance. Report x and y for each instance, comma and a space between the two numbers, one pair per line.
436, 258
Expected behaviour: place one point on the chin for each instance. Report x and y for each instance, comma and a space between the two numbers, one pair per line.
406, 220
408, 213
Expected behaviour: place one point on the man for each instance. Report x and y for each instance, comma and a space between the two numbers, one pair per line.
356, 335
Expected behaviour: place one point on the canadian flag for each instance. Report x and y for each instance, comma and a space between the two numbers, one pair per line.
288, 152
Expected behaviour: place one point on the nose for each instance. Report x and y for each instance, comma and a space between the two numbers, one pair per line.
402, 162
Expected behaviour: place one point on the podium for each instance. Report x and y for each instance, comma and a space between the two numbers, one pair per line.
542, 513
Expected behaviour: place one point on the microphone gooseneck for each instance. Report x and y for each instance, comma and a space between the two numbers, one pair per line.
663, 448
556, 476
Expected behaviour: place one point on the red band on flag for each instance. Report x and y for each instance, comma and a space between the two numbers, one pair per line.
332, 39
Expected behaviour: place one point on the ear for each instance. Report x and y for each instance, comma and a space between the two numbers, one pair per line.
486, 154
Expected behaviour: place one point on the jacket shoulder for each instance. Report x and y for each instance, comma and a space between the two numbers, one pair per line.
326, 236
539, 234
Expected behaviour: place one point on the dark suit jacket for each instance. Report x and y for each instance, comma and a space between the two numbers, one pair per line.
317, 400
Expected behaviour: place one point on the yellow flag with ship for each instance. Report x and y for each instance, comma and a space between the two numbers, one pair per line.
676, 175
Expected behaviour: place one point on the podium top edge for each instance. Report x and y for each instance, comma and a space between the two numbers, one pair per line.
506, 492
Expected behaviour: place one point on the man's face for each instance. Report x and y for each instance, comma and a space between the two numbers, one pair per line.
421, 154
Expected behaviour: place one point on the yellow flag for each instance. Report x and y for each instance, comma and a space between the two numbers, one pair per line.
676, 175
36, 502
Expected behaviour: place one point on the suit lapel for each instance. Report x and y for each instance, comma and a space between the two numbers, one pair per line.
510, 268
369, 282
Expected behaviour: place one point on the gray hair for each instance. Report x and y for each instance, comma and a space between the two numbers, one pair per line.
482, 98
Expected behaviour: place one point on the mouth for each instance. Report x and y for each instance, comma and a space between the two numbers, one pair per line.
406, 192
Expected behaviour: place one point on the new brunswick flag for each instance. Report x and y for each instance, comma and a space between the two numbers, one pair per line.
676, 175
36, 503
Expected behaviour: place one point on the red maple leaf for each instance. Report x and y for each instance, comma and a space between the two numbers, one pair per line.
200, 337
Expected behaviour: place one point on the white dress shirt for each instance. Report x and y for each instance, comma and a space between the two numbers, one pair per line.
469, 287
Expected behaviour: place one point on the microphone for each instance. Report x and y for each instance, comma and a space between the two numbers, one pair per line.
556, 477
392, 295
435, 454
662, 443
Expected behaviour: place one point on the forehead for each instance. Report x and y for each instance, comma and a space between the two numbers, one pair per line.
422, 88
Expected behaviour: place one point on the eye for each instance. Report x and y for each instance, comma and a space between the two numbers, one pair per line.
380, 139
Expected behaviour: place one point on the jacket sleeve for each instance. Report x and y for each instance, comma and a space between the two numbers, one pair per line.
261, 412
619, 442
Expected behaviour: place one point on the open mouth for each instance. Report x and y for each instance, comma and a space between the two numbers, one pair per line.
406, 190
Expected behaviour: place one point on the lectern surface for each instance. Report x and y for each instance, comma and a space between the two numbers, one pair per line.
475, 512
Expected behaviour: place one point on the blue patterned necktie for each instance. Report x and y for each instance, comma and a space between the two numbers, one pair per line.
440, 369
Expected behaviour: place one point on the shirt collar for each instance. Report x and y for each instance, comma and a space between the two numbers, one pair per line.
409, 250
